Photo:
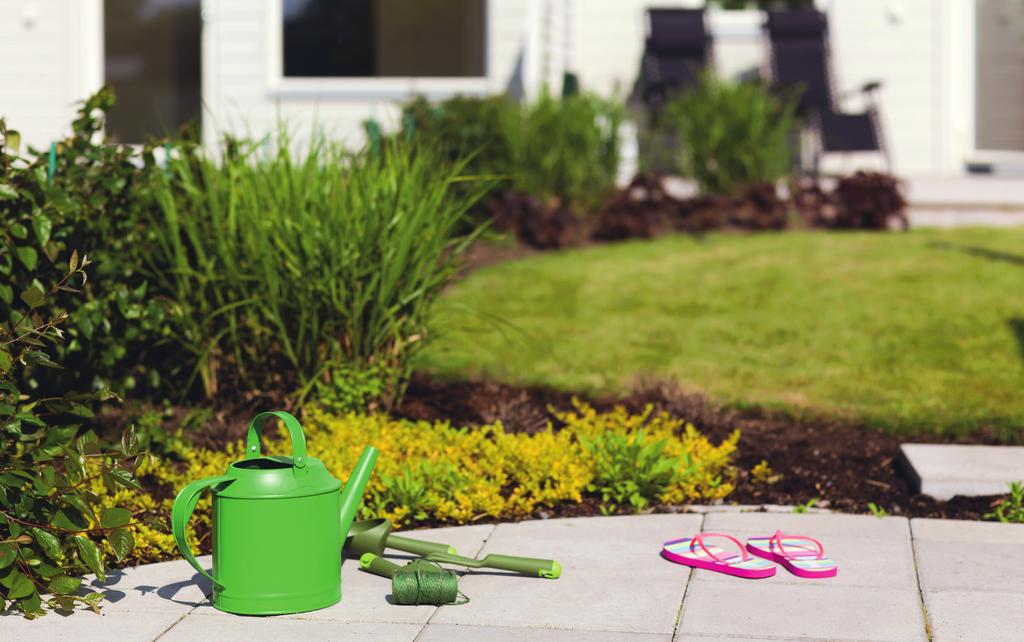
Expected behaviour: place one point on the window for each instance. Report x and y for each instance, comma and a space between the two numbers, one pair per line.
383, 38
152, 59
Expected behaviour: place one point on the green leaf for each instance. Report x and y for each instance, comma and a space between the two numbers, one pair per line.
69, 519
77, 502
130, 442
62, 584
21, 587
121, 541
8, 553
5, 361
125, 478
48, 542
91, 556
115, 517
27, 256
33, 296
47, 570
19, 231
7, 191
42, 225
6, 293
13, 140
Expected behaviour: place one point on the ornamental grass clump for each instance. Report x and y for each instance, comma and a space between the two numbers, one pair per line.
286, 266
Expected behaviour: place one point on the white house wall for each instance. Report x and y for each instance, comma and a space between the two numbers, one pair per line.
48, 62
242, 94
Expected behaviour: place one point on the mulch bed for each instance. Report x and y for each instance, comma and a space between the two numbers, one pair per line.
843, 465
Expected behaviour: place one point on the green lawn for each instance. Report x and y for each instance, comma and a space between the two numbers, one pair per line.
916, 331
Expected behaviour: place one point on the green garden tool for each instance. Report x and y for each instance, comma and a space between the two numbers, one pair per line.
549, 569
374, 535
278, 523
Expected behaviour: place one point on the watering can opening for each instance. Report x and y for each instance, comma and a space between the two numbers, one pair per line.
264, 463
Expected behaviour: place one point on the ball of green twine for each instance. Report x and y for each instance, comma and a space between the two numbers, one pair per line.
425, 582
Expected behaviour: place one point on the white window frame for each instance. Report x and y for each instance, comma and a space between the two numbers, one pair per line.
390, 88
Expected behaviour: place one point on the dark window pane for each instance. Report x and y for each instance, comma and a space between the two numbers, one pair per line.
366, 38
152, 58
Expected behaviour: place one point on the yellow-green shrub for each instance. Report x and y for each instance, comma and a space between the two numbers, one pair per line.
437, 473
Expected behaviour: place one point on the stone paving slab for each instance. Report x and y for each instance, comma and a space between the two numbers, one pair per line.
612, 580
970, 556
462, 633
812, 610
204, 627
946, 470
874, 596
966, 615
85, 626
615, 587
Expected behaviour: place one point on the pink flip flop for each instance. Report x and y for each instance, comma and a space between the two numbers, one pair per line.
802, 556
694, 552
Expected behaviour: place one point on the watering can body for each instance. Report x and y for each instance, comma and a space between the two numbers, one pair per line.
278, 527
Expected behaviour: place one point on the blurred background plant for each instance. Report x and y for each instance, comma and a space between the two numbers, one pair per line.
731, 134
86, 194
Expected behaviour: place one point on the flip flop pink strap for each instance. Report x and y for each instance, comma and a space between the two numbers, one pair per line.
777, 538
699, 539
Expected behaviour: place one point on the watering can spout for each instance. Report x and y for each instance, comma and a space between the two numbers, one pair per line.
352, 496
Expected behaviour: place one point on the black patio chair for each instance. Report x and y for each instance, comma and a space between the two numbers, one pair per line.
801, 58
676, 50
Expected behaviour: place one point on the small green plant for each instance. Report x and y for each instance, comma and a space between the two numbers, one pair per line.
731, 135
629, 472
801, 509
762, 473
877, 510
1010, 510
348, 389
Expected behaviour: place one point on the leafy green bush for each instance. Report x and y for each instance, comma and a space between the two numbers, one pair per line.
50, 519
555, 148
568, 149
92, 201
731, 135
286, 268
467, 127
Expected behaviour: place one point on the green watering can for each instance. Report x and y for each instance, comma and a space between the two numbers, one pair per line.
278, 526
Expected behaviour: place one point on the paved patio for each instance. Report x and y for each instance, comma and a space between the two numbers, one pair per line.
900, 580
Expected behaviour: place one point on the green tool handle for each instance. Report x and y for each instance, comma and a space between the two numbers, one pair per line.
418, 547
378, 565
524, 565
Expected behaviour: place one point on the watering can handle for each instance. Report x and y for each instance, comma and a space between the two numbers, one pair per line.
181, 512
252, 439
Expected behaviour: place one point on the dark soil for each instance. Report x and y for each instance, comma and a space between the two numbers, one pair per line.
842, 465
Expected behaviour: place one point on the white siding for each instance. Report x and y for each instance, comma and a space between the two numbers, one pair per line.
48, 62
242, 95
